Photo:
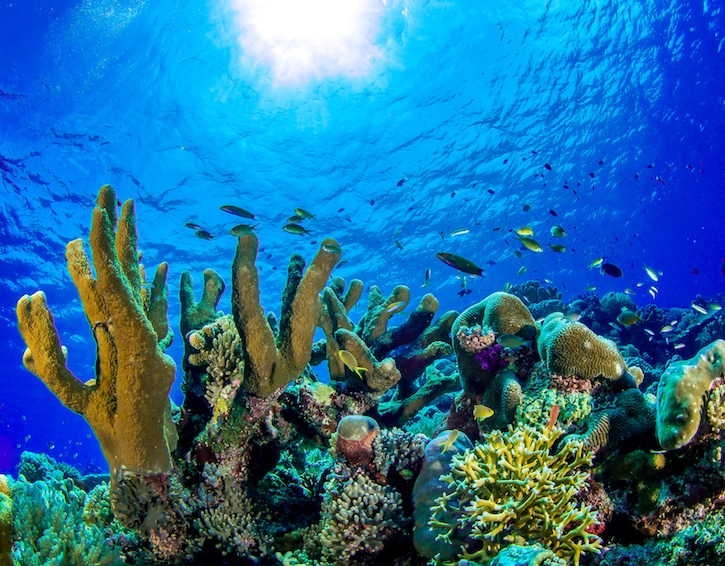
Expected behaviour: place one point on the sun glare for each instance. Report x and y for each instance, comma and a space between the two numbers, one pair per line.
304, 40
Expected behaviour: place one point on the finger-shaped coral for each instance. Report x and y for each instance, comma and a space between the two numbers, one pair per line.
195, 314
380, 375
127, 403
682, 394
6, 522
268, 363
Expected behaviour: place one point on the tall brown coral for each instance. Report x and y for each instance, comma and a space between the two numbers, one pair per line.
127, 404
271, 363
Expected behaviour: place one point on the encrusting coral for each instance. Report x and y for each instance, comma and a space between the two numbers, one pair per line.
515, 487
127, 404
682, 394
271, 363
6, 521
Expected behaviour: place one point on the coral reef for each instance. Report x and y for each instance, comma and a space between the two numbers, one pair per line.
127, 403
570, 348
272, 362
6, 521
514, 487
682, 395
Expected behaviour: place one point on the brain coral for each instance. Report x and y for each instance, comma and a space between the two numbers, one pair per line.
570, 348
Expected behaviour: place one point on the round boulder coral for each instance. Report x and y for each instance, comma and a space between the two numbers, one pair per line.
355, 436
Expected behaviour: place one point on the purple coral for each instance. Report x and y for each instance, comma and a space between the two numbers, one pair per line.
491, 359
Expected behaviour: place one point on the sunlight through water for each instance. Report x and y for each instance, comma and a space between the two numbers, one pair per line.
305, 41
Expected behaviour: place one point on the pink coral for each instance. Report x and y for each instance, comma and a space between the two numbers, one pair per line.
474, 339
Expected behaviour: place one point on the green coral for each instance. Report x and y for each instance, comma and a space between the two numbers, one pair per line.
513, 488
6, 521
682, 394
58, 524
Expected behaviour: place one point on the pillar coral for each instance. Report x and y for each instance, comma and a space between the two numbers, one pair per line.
271, 363
127, 404
6, 522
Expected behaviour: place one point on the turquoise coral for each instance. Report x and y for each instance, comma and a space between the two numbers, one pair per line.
682, 394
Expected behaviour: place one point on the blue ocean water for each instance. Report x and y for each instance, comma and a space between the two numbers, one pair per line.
416, 120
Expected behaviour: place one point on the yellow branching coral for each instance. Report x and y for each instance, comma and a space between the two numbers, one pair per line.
6, 522
127, 404
513, 489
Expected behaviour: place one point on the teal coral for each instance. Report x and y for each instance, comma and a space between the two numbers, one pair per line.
682, 393
58, 524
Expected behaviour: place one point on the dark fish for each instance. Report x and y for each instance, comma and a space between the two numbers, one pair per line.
398, 244
553, 212
400, 183
601, 162
236, 210
295, 229
459, 263
547, 166
489, 191
192, 226
372, 202
611, 270
203, 234
296, 219
242, 230
591, 175
526, 207
464, 292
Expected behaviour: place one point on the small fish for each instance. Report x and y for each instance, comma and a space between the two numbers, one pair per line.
650, 332
653, 288
464, 292
393, 307
651, 292
591, 288
350, 362
295, 229
428, 273
596, 263
203, 234
303, 213
557, 231
525, 231
651, 273
295, 219
517, 253
460, 232
553, 415
192, 226
547, 166
91, 382
679, 346
242, 229
237, 211
512, 341
341, 263
628, 318
714, 307
506, 287
667, 328
573, 316
557, 248
450, 439
615, 325
521, 270
526, 207
698, 308
629, 291
400, 182
553, 212
398, 244
331, 248
530, 244
611, 270
459, 263
482, 412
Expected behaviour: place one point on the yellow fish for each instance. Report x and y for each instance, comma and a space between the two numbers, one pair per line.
450, 439
303, 213
596, 263
482, 412
521, 270
628, 318
557, 248
525, 231
591, 288
350, 362
667, 328
530, 244
392, 307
